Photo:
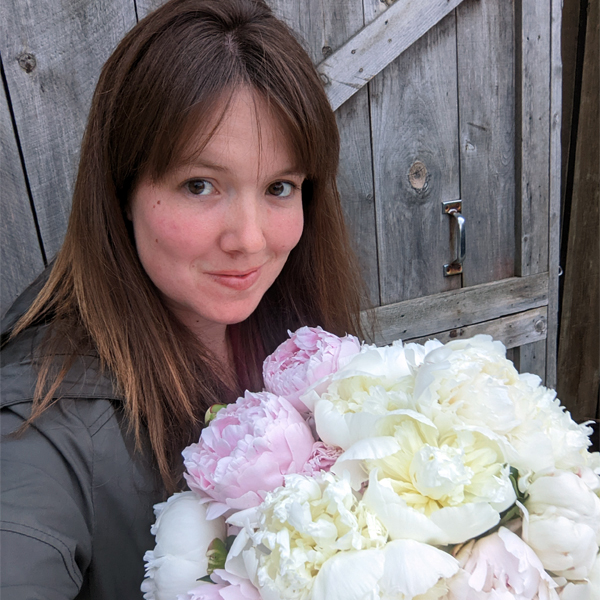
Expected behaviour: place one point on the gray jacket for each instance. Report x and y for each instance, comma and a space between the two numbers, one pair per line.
77, 496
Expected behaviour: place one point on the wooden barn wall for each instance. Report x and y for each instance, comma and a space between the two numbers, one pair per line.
51, 59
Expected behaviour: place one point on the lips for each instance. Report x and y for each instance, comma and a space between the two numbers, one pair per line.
236, 280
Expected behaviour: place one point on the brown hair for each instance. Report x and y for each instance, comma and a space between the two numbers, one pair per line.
171, 72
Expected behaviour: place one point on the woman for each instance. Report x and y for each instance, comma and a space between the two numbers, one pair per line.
205, 223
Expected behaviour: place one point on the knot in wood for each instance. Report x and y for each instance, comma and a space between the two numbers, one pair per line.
27, 62
327, 51
417, 176
540, 325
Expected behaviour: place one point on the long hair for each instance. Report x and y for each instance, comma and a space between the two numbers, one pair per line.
172, 73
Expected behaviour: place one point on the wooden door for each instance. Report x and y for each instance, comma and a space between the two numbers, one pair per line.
436, 100
448, 100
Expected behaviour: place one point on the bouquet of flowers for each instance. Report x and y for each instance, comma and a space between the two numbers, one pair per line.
361, 473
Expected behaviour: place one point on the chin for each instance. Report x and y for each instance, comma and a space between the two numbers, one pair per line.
231, 317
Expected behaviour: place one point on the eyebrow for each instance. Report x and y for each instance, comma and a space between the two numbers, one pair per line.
205, 164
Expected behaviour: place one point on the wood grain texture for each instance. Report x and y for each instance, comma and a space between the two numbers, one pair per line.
459, 308
377, 45
579, 347
513, 330
533, 43
147, 6
355, 183
415, 161
531, 358
487, 137
62, 47
555, 188
20, 254
322, 27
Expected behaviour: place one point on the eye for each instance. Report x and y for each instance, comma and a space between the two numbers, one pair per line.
199, 187
281, 189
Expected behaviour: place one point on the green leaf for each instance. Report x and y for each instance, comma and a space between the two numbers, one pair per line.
211, 413
514, 479
217, 553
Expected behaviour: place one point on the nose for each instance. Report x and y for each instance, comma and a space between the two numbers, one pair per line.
244, 230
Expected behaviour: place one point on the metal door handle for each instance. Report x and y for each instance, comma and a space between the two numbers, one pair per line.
454, 208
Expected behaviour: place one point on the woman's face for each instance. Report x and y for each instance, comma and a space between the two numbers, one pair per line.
214, 233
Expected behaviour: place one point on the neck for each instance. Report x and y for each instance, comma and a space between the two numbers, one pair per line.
216, 340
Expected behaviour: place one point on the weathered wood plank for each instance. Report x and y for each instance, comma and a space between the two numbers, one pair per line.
355, 183
532, 44
377, 45
531, 358
459, 308
533, 38
52, 56
510, 354
555, 188
322, 27
485, 38
416, 166
146, 6
20, 253
513, 330
579, 348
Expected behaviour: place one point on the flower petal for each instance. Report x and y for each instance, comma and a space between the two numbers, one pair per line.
349, 575
412, 568
448, 525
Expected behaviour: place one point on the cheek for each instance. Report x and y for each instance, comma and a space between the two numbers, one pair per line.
161, 232
287, 232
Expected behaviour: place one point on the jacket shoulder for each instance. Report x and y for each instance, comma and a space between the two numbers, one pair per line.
19, 372
21, 356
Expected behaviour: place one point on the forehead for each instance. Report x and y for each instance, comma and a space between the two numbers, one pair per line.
242, 124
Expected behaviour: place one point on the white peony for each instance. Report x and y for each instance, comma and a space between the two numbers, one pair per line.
562, 523
403, 570
547, 437
415, 570
500, 566
285, 542
473, 381
182, 538
314, 540
429, 484
351, 404
586, 589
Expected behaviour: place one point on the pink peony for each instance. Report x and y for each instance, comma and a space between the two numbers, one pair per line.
322, 458
228, 587
308, 356
246, 450
500, 565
